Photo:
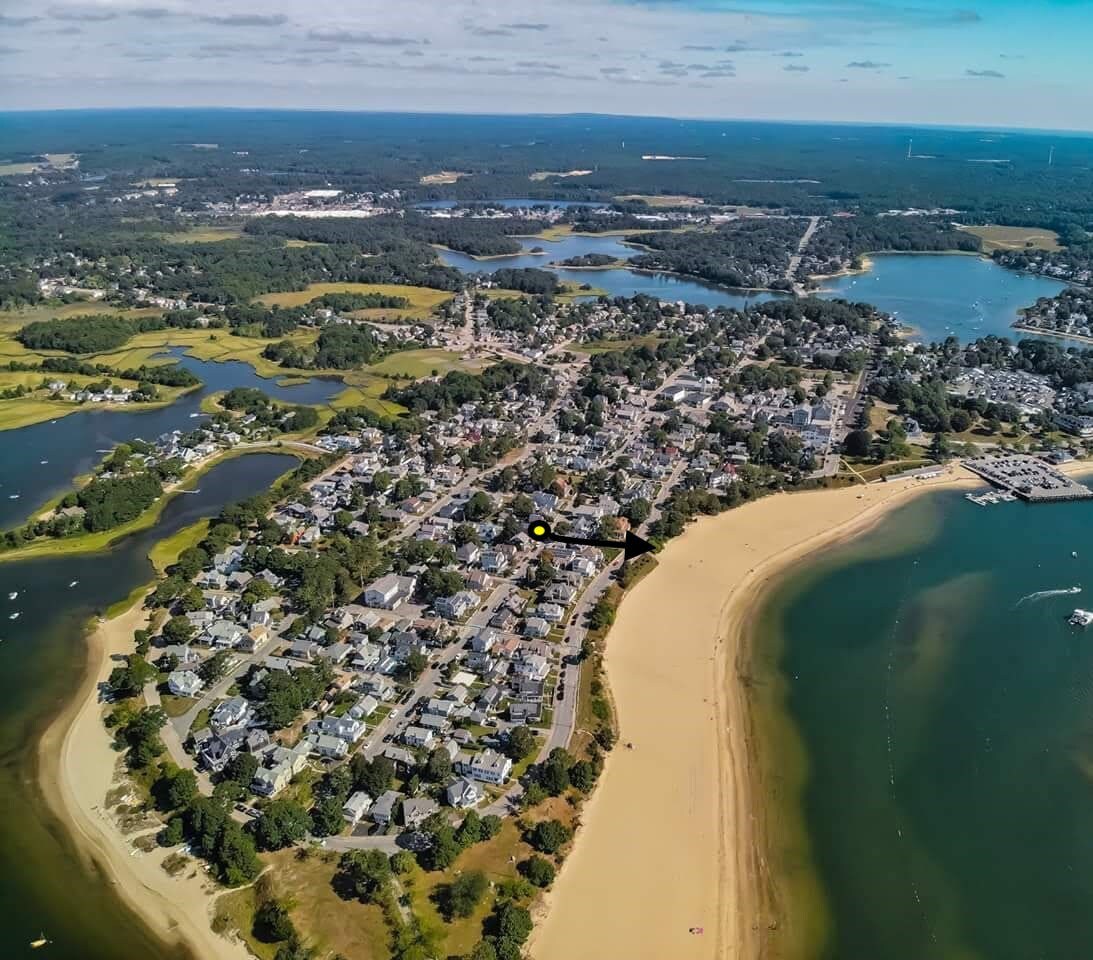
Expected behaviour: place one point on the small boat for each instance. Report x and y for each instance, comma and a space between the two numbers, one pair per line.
73, 583
43, 462
40, 942
1080, 618
13, 594
1074, 554
13, 496
14, 616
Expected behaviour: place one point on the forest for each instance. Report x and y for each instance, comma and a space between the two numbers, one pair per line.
456, 388
743, 253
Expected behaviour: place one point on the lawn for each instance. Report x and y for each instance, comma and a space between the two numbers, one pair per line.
613, 346
997, 237
204, 235
663, 200
423, 300
423, 363
166, 552
175, 706
18, 169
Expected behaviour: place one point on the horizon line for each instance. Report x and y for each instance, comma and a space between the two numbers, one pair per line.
884, 124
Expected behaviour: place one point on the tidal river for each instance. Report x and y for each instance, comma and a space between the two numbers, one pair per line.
43, 887
938, 716
72, 445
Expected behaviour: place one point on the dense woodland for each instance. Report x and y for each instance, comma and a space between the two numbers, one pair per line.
744, 253
843, 239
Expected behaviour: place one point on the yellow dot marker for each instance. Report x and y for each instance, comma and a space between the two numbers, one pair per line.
539, 530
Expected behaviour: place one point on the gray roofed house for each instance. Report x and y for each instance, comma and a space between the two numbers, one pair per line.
383, 810
356, 807
463, 793
417, 809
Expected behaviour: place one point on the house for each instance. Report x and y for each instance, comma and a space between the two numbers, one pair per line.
416, 810
536, 627
184, 683
550, 612
230, 714
561, 593
379, 687
489, 766
331, 748
216, 751
525, 711
483, 641
403, 760
463, 793
278, 766
364, 708
532, 667
389, 592
356, 807
344, 728
455, 606
417, 736
468, 553
224, 634
383, 810
440, 708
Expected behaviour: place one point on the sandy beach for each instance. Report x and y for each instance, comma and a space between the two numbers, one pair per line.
671, 839
78, 770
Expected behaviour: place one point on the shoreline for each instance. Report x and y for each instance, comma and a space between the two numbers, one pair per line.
691, 785
1053, 334
76, 770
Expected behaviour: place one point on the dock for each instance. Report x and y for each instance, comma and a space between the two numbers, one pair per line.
1029, 478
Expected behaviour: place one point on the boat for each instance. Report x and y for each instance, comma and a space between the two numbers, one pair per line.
1080, 618
1074, 554
13, 594
43, 462
40, 942
14, 616
73, 583
13, 496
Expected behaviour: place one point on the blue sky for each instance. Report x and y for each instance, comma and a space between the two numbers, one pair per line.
996, 63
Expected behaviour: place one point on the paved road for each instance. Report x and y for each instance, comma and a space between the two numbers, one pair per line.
795, 260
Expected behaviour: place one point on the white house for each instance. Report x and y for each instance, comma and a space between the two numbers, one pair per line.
489, 766
356, 807
463, 793
389, 592
184, 683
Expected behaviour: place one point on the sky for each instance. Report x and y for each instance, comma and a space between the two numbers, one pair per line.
1014, 63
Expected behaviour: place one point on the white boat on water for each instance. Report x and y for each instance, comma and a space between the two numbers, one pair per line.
43, 462
73, 583
14, 616
13, 594
1080, 618
13, 496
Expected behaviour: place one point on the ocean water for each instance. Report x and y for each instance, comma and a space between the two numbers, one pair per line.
925, 729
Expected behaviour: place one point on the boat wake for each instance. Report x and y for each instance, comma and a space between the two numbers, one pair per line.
1040, 594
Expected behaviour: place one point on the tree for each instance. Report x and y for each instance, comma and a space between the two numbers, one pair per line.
583, 776
464, 894
235, 855
129, 680
470, 830
554, 773
520, 744
858, 443
172, 834
241, 768
366, 872
178, 630
491, 826
181, 789
282, 823
439, 766
548, 836
372, 776
960, 420
326, 817
514, 923
939, 447
402, 862
272, 924
215, 667
538, 870
414, 665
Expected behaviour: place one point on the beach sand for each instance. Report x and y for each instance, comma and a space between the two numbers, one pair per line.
671, 839
77, 770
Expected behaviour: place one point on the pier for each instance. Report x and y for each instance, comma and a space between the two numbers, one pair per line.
1029, 478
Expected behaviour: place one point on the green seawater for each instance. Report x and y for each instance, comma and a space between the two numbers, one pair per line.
924, 717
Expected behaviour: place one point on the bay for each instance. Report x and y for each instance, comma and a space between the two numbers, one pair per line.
937, 720
43, 885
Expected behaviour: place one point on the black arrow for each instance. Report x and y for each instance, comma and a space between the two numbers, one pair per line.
632, 546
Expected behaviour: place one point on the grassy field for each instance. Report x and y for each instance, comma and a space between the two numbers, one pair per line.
565, 174
204, 235
443, 176
166, 552
423, 300
662, 200
37, 407
996, 237
14, 319
613, 346
18, 169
